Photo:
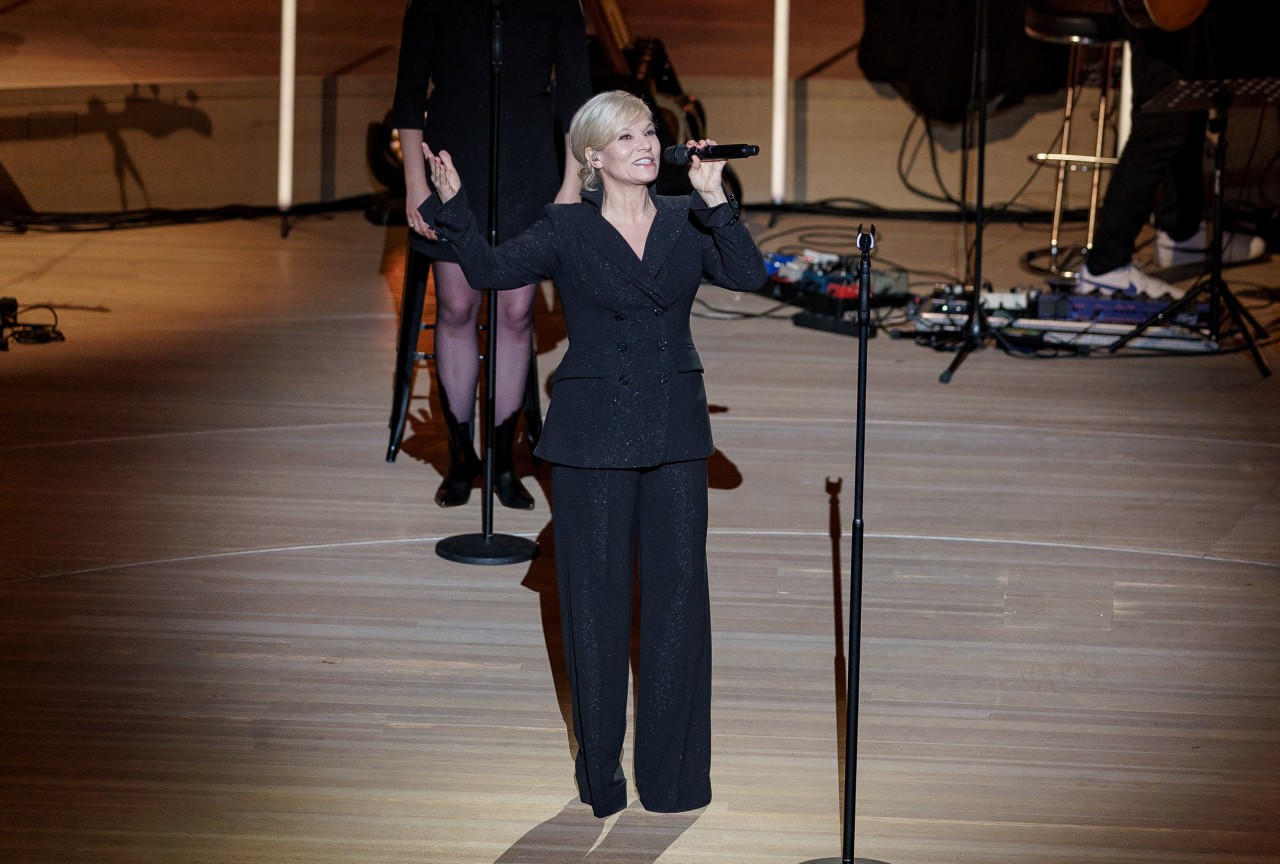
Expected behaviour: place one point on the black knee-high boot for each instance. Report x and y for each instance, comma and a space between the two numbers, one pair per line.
464, 464
506, 484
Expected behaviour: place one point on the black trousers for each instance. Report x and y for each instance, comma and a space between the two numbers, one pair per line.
608, 524
1161, 169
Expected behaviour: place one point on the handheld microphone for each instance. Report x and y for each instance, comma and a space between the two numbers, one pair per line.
679, 154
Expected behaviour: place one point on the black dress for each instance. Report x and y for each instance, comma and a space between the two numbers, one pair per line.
545, 78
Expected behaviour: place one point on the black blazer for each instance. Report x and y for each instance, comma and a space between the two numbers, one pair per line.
629, 392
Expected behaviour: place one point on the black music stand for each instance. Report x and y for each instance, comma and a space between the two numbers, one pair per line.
1217, 96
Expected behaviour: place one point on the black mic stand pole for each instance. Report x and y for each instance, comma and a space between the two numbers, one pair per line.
866, 242
975, 327
487, 547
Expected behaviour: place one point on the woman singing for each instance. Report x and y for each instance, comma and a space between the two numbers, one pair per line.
628, 435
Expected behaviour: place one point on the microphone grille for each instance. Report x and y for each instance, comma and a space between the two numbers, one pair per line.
676, 154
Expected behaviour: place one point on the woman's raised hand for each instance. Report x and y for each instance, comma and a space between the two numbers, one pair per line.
443, 175
705, 175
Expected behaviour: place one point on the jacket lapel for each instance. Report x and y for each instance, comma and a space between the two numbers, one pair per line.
671, 218
604, 239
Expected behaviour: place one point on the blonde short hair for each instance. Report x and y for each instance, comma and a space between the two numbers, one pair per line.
598, 123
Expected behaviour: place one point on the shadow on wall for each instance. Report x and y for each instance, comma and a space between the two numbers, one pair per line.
156, 116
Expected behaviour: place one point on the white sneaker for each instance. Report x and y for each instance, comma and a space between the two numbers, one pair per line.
1126, 281
1236, 248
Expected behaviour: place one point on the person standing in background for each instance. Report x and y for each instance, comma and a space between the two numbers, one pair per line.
442, 98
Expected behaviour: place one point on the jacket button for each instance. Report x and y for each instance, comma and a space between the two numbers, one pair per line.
662, 345
624, 380
663, 378
618, 316
622, 346
658, 312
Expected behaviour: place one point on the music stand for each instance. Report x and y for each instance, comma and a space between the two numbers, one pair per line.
1217, 96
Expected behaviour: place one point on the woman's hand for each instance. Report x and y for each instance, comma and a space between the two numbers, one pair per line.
705, 176
415, 194
443, 175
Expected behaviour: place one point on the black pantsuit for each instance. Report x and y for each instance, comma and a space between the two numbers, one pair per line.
628, 433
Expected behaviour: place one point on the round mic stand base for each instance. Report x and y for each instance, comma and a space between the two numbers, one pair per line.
487, 549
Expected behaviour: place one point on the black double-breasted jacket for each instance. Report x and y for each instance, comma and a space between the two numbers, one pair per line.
629, 391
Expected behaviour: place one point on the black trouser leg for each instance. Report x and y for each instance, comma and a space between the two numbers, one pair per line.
673, 704
1160, 142
593, 514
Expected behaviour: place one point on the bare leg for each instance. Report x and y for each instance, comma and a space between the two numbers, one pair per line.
515, 328
457, 366
457, 354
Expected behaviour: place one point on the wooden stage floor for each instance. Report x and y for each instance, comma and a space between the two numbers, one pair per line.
225, 636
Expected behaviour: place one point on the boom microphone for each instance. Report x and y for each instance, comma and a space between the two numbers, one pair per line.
679, 154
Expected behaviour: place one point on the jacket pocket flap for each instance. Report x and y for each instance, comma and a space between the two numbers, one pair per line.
583, 365
687, 359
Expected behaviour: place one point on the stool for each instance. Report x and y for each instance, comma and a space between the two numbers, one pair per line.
413, 299
1093, 34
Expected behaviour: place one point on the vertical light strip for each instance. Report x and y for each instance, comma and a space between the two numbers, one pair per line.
778, 150
288, 73
1126, 98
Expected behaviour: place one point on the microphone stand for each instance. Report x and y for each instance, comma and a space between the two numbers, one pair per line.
866, 242
976, 329
488, 547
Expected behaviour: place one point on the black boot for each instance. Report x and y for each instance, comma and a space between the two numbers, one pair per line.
464, 464
506, 484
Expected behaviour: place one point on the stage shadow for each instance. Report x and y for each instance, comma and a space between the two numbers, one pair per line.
150, 113
841, 666
574, 835
722, 473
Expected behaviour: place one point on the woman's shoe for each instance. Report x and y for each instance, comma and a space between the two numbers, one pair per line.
506, 484
464, 465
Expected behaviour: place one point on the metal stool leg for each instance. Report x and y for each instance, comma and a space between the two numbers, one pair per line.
1060, 183
1100, 140
413, 299
1057, 259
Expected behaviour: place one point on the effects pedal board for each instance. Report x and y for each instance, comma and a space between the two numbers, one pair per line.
825, 287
